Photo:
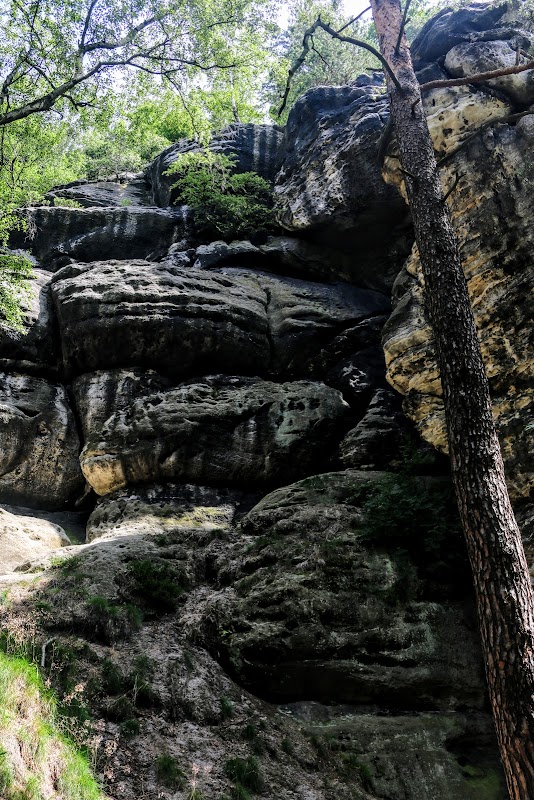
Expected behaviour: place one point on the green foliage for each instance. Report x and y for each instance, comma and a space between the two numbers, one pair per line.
169, 773
156, 584
130, 727
225, 204
227, 708
406, 511
287, 746
109, 621
245, 773
15, 288
34, 751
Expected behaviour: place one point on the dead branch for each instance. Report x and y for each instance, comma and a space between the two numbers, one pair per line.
480, 77
308, 34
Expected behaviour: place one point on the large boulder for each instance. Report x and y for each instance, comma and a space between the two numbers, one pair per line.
184, 320
469, 58
222, 431
255, 148
492, 208
35, 349
25, 538
451, 27
58, 235
330, 185
39, 444
127, 190
313, 609
158, 510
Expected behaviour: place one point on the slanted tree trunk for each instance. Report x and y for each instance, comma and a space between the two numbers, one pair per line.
501, 578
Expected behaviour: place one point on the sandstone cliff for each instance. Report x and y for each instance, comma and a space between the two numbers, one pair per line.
224, 540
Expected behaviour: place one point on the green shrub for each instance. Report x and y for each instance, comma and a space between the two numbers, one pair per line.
15, 275
227, 707
245, 772
130, 727
169, 773
402, 510
226, 204
109, 621
156, 584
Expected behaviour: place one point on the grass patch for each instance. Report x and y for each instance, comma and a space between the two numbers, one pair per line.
169, 772
157, 585
36, 759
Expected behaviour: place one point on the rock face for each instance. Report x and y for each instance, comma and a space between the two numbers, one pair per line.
186, 321
40, 446
317, 611
228, 403
36, 349
219, 430
491, 207
450, 28
128, 190
255, 148
470, 58
24, 538
59, 235
330, 185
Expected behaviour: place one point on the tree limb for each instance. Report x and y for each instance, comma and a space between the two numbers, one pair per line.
308, 34
480, 77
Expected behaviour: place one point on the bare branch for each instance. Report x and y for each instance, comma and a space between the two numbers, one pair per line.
453, 187
402, 26
352, 21
86, 24
480, 77
308, 34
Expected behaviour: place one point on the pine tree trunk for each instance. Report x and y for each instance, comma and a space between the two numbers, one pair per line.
502, 583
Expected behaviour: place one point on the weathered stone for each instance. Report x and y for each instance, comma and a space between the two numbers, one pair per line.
180, 321
185, 321
376, 440
24, 538
158, 510
256, 148
315, 611
470, 58
59, 235
492, 209
128, 190
450, 756
36, 349
330, 185
220, 253
305, 317
215, 431
39, 444
449, 28
453, 114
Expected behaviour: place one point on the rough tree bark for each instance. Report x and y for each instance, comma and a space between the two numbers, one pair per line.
502, 583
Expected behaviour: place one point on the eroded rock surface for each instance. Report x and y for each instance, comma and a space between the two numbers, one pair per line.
185, 320
25, 538
218, 430
330, 184
315, 610
59, 235
127, 190
40, 446
34, 350
492, 209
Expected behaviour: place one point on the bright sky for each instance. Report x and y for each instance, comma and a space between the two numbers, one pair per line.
350, 7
